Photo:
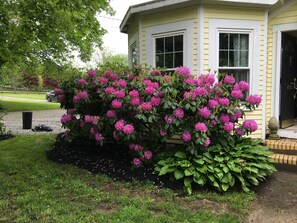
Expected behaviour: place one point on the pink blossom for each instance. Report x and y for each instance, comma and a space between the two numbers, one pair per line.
130, 77
147, 155
88, 118
183, 71
122, 83
58, 91
224, 101
131, 146
244, 86
98, 137
187, 95
114, 77
156, 101
236, 94
134, 94
149, 90
224, 118
116, 103
236, 116
146, 106
179, 113
168, 119
81, 81
163, 133
213, 123
61, 97
228, 127
109, 90
95, 120
254, 99
187, 136
103, 80
83, 95
212, 103
107, 73
209, 79
207, 142
250, 125
128, 129
92, 131
138, 147
199, 91
111, 114
189, 81
70, 111
161, 94
239, 131
156, 72
229, 79
200, 126
92, 73
137, 162
119, 94
115, 136
204, 112
66, 118
119, 125
76, 99
135, 102
167, 78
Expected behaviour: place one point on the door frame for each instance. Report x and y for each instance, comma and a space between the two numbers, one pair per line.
276, 65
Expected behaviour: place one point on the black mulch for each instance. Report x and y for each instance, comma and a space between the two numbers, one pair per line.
6, 136
113, 161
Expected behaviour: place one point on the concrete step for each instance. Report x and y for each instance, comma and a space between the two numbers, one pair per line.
284, 159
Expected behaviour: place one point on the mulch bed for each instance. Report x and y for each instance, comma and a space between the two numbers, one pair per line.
111, 160
6, 136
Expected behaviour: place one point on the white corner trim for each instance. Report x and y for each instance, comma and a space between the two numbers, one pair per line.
242, 26
140, 40
200, 47
131, 41
281, 9
276, 65
264, 75
185, 27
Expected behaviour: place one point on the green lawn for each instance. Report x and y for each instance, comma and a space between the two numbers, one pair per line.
34, 189
25, 95
16, 105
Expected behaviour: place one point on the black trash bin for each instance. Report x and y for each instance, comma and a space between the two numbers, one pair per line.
27, 120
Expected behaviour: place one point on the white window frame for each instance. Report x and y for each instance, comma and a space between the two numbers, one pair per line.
184, 28
133, 41
217, 26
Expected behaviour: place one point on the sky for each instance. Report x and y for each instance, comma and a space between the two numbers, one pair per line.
114, 40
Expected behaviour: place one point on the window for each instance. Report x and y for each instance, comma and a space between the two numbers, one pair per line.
234, 48
234, 55
169, 51
134, 54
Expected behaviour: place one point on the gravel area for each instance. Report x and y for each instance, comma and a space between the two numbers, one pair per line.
14, 121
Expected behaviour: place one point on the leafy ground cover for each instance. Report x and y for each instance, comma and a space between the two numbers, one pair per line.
35, 189
17, 105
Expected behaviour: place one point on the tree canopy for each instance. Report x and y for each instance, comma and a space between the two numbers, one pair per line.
49, 30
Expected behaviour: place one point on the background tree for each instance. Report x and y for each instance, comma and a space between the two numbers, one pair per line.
49, 30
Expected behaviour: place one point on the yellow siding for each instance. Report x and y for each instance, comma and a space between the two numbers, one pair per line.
222, 12
285, 17
155, 19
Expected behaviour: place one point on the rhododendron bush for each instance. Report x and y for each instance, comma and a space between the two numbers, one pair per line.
143, 110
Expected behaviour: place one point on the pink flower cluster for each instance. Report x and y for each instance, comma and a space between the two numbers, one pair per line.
183, 71
254, 99
128, 129
251, 125
179, 113
200, 126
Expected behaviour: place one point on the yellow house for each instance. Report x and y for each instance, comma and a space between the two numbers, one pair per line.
255, 40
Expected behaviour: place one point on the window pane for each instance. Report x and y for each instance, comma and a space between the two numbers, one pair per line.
244, 41
232, 59
234, 41
223, 62
169, 44
160, 45
244, 59
178, 60
178, 44
169, 60
223, 41
240, 75
160, 60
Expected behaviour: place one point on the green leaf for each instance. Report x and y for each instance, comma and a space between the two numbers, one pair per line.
199, 161
188, 181
178, 174
180, 155
188, 172
219, 159
225, 187
163, 170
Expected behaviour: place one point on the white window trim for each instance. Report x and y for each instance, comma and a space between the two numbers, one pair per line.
237, 26
133, 40
183, 27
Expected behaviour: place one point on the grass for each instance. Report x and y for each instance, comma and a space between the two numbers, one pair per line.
24, 95
34, 189
15, 105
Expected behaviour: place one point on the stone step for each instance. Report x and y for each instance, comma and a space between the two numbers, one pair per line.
284, 159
